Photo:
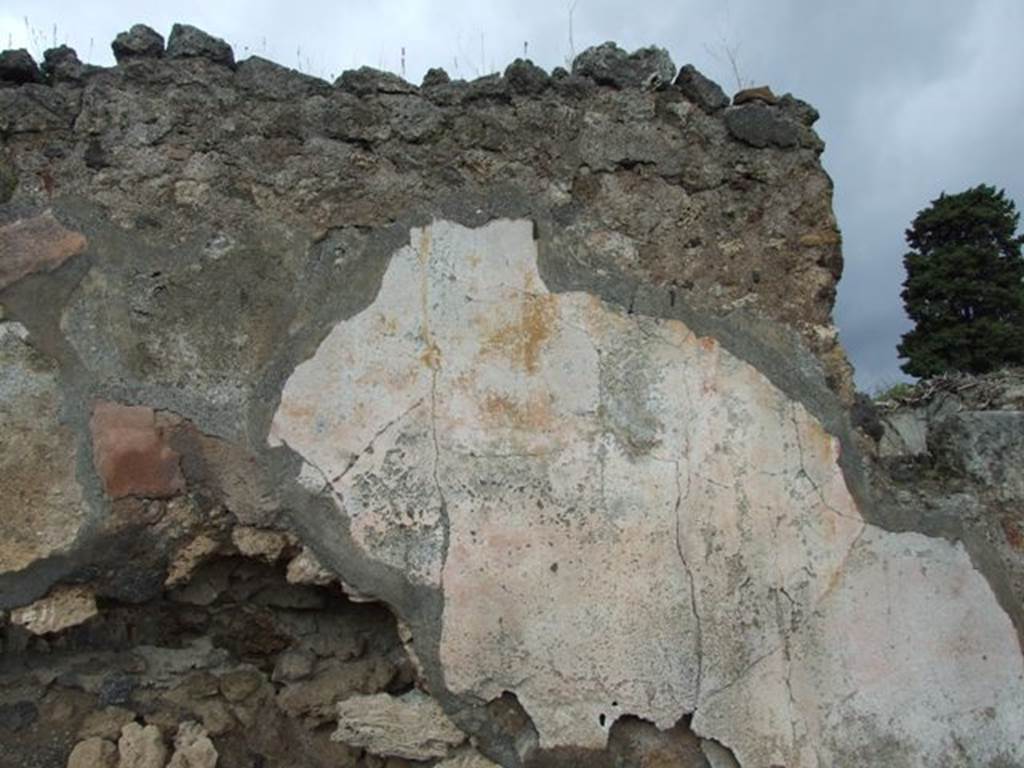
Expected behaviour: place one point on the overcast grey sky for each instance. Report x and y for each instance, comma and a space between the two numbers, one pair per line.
916, 96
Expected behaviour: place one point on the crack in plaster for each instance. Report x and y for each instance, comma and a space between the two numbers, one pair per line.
698, 630
378, 434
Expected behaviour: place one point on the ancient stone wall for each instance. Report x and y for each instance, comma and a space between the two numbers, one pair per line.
460, 424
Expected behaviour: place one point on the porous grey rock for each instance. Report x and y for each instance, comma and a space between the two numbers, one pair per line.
115, 689
803, 112
607, 64
139, 42
487, 87
367, 80
412, 726
435, 76
761, 126
62, 64
702, 91
18, 67
274, 81
187, 41
523, 76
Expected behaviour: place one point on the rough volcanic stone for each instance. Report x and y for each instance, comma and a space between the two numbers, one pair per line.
801, 111
523, 76
63, 607
761, 126
489, 87
18, 67
140, 42
132, 454
35, 244
412, 726
274, 81
41, 508
116, 689
702, 91
62, 64
187, 41
435, 76
367, 80
607, 64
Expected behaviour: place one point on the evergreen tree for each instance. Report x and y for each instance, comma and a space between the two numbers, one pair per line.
965, 285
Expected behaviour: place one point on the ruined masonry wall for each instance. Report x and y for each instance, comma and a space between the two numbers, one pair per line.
543, 363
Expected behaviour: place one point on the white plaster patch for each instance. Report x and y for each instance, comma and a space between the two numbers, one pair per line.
624, 518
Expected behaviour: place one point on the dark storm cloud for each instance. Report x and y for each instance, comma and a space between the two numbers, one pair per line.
916, 97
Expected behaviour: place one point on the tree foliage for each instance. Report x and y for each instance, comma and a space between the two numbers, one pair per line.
965, 285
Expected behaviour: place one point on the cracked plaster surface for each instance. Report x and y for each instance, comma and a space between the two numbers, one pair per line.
623, 517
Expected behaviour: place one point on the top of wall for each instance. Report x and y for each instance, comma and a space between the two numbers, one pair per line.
625, 162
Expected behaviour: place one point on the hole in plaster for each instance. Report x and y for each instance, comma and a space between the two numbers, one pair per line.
257, 660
